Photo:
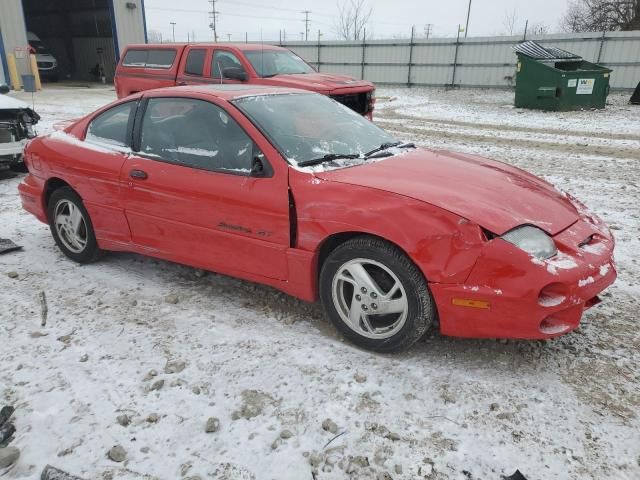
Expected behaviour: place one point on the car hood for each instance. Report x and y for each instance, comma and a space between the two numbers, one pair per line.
492, 194
316, 81
10, 103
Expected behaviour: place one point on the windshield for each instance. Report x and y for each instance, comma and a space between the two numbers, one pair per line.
268, 63
38, 46
308, 126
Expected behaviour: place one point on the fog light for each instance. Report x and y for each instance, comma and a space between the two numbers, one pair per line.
552, 295
554, 326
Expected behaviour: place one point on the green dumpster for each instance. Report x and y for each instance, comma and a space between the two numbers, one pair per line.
549, 78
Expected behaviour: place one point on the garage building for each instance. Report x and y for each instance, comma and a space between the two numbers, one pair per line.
85, 37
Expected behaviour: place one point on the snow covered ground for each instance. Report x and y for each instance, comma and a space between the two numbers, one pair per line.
271, 369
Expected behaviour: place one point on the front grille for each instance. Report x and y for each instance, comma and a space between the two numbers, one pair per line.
355, 101
6, 135
45, 64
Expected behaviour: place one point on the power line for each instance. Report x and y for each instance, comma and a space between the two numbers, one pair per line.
428, 29
213, 15
306, 24
244, 15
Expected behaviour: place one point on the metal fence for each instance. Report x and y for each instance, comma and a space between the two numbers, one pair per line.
468, 62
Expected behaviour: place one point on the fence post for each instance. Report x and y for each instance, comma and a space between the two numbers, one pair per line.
413, 28
602, 39
364, 45
455, 59
526, 25
318, 63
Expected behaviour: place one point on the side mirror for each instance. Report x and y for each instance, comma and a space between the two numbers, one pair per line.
257, 166
235, 73
4, 88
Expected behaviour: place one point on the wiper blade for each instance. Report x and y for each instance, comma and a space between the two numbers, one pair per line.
387, 145
384, 146
327, 158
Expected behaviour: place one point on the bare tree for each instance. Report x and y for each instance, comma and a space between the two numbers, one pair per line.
602, 15
509, 21
154, 36
538, 28
353, 18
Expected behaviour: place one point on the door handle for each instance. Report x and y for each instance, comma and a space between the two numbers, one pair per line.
138, 174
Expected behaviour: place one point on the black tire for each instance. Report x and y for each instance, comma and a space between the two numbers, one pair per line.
421, 308
91, 250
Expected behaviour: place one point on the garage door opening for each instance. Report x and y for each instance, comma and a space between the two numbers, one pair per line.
72, 39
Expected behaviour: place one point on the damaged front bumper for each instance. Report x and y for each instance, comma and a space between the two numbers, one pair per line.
510, 294
16, 129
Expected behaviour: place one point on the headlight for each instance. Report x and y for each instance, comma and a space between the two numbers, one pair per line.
532, 240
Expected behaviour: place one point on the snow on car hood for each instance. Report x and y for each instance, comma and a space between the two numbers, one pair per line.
492, 194
10, 103
315, 81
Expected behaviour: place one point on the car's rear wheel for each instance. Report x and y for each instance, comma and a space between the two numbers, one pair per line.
375, 295
71, 226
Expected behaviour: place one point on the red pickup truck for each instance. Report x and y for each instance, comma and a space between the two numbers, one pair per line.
147, 66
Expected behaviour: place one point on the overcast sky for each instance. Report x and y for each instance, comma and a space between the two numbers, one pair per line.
390, 17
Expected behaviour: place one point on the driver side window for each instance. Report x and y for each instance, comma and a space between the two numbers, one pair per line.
221, 60
196, 134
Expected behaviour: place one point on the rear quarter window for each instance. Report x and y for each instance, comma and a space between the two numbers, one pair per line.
195, 62
112, 127
150, 58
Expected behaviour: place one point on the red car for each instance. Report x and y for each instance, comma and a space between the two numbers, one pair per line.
148, 66
294, 190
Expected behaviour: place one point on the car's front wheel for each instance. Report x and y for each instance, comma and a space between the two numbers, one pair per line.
375, 295
71, 226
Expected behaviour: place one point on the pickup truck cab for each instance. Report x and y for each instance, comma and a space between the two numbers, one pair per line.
148, 66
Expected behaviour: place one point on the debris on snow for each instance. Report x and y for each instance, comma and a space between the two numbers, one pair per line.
174, 366
44, 309
8, 456
212, 425
117, 454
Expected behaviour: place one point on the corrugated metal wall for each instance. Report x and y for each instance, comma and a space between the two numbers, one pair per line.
481, 61
85, 51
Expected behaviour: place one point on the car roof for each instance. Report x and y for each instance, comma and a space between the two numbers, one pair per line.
227, 91
239, 46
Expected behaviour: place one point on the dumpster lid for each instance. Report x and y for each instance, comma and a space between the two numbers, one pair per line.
535, 50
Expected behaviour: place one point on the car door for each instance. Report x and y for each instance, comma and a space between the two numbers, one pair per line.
95, 170
193, 68
190, 196
222, 59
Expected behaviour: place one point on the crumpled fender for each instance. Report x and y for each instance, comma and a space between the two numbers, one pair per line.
445, 246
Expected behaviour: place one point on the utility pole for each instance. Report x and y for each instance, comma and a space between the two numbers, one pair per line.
213, 14
306, 23
173, 31
428, 28
466, 28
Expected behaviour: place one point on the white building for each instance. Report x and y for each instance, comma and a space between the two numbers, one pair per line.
79, 34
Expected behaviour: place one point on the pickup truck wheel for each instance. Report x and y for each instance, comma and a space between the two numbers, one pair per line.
71, 226
375, 295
